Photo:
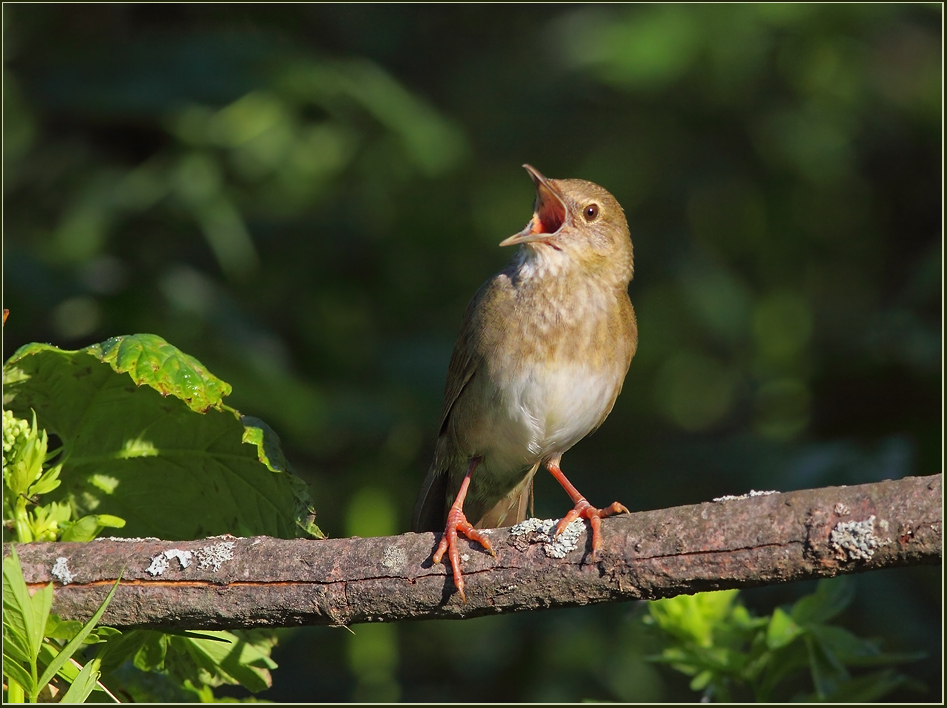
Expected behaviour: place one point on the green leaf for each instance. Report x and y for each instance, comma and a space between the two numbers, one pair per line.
50, 519
743, 620
88, 527
873, 687
270, 453
103, 634
76, 642
15, 650
233, 660
841, 643
148, 687
14, 670
134, 447
781, 630
84, 683
780, 664
701, 680
24, 617
41, 602
694, 617
26, 465
47, 482
826, 670
47, 655
192, 634
150, 360
853, 650
57, 628
135, 645
152, 652
829, 599
16, 641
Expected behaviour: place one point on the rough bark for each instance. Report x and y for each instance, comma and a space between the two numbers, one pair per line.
265, 582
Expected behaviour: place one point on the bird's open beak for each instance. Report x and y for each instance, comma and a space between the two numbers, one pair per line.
549, 214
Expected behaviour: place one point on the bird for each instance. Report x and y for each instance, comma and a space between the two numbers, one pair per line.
541, 357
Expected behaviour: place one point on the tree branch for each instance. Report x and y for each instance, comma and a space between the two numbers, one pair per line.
233, 582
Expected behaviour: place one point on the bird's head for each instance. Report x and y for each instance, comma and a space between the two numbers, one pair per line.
580, 222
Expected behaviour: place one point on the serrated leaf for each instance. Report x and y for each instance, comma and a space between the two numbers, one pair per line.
137, 451
270, 453
26, 466
150, 360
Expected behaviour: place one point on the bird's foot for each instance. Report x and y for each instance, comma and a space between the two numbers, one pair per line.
457, 522
584, 510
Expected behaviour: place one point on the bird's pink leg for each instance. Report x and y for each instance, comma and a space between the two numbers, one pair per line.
582, 509
457, 521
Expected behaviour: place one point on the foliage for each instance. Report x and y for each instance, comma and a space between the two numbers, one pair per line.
730, 653
30, 635
138, 452
226, 473
141, 665
178, 667
25, 478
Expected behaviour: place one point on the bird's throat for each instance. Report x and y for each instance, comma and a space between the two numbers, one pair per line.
540, 261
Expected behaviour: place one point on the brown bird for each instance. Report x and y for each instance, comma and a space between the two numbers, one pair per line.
540, 359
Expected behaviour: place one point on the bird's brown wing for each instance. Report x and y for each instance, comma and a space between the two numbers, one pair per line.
442, 482
430, 511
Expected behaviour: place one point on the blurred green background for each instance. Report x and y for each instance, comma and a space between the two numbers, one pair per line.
305, 197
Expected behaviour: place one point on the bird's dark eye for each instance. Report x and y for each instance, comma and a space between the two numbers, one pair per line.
591, 212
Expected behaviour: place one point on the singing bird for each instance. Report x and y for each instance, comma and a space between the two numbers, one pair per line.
542, 353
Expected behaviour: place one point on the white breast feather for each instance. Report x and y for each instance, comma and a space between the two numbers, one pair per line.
539, 418
546, 408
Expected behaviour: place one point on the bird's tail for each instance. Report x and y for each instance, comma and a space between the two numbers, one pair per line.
512, 508
430, 512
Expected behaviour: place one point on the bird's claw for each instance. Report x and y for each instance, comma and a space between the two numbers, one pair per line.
584, 510
457, 522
